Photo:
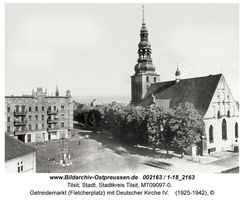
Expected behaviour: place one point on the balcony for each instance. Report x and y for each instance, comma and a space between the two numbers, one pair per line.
20, 113
53, 129
20, 122
52, 121
20, 132
52, 112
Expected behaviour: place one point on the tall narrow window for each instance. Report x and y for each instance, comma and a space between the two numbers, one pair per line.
28, 137
147, 79
228, 113
236, 130
211, 139
224, 130
42, 108
29, 108
8, 128
8, 119
8, 109
155, 79
219, 114
36, 108
20, 166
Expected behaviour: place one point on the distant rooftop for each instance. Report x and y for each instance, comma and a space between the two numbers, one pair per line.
40, 92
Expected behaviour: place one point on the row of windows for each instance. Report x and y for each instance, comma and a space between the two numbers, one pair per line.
20, 166
30, 101
36, 117
154, 79
224, 131
36, 127
42, 108
228, 114
222, 96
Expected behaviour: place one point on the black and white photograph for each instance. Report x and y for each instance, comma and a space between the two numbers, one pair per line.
122, 88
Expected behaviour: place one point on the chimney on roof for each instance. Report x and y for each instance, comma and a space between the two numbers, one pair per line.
177, 74
57, 92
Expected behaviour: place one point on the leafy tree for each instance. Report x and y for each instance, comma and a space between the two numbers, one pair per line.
166, 134
155, 123
94, 118
187, 127
133, 121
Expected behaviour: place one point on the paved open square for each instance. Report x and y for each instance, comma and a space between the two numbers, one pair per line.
96, 152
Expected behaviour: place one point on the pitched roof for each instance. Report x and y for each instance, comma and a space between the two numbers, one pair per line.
15, 148
198, 91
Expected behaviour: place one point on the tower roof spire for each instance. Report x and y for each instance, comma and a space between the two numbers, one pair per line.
177, 73
177, 66
144, 61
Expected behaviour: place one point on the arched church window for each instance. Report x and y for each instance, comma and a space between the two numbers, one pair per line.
236, 130
147, 78
224, 130
211, 139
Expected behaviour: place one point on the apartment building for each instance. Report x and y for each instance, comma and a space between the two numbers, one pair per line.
39, 117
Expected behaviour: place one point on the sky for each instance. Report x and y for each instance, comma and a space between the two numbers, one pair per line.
91, 49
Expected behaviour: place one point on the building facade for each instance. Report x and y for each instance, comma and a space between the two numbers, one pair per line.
38, 117
19, 157
210, 95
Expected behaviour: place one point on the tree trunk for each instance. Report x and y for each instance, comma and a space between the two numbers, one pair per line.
182, 154
154, 148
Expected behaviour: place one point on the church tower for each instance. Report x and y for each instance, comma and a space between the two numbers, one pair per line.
145, 73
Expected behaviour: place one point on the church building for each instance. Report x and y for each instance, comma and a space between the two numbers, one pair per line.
210, 95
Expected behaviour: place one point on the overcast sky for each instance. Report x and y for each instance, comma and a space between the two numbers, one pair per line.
92, 49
